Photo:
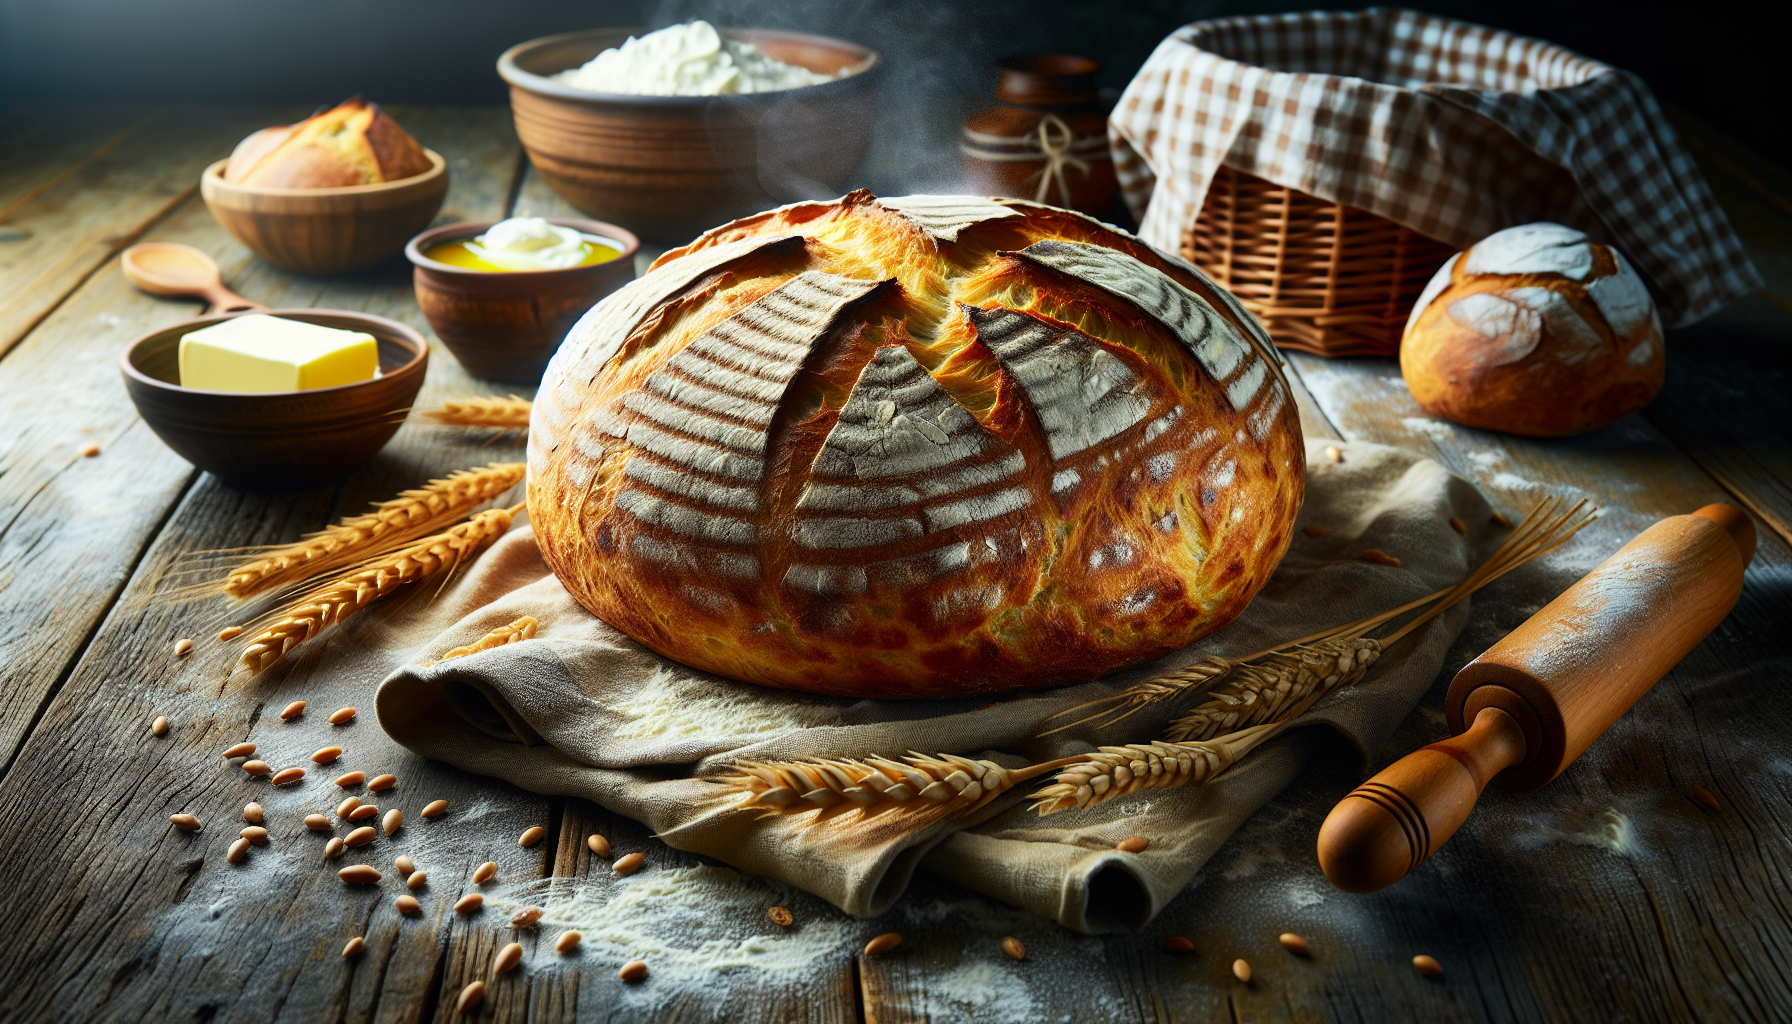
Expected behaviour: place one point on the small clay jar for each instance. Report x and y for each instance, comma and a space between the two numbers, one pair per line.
1048, 140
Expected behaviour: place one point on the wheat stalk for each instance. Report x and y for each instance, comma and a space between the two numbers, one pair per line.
510, 413
406, 517
1113, 772
515, 632
334, 601
1257, 692
917, 782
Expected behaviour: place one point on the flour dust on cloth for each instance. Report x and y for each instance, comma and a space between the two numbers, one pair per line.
582, 710
1451, 129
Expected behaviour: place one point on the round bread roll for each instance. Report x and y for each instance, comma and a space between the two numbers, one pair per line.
1534, 330
922, 447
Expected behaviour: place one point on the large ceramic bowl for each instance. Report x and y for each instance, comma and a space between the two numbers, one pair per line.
275, 441
668, 167
506, 325
327, 230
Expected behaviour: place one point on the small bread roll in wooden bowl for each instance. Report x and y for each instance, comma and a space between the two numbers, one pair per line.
932, 446
1534, 330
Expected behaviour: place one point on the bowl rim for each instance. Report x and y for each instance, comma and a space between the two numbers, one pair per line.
540, 85
409, 335
213, 176
413, 249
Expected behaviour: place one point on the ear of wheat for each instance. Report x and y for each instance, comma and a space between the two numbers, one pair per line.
510, 413
412, 514
515, 632
337, 599
1252, 700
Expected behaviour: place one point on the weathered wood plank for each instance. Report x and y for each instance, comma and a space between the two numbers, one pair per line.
46, 143
179, 934
80, 222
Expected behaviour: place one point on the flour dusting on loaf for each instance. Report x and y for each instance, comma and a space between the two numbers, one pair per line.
922, 447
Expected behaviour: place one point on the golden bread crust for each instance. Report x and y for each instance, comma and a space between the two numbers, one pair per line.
1566, 341
354, 143
890, 449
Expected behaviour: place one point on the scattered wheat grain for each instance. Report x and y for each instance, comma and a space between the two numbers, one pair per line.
404, 864
507, 958
1135, 844
1706, 798
1333, 454
253, 814
327, 755
470, 902
1178, 944
287, 776
238, 851
90, 450
598, 845
318, 822
363, 812
526, 917
159, 726
418, 880
470, 998
531, 835
407, 904
292, 711
185, 822
567, 942
633, 972
1013, 948
1499, 519
1459, 526
1242, 971
347, 807
629, 864
257, 768
485, 872
781, 917
351, 779
183, 647
256, 835
1427, 966
1380, 557
359, 874
381, 783
342, 716
240, 750
359, 837
883, 943
393, 821
334, 848
1313, 531
1293, 943
434, 809
230, 633
354, 947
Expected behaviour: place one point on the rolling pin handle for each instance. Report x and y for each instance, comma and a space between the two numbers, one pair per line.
1389, 825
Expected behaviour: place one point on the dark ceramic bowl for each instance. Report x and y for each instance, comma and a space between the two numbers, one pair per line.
274, 441
505, 326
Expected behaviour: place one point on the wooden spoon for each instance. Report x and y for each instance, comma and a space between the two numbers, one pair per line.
176, 271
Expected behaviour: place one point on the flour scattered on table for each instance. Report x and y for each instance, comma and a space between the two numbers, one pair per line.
1609, 830
1437, 431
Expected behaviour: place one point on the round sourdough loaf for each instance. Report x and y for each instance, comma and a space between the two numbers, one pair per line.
922, 447
1534, 330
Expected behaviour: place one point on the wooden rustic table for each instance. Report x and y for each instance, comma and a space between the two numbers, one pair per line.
1608, 895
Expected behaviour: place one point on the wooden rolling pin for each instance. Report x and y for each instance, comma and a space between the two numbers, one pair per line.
1537, 699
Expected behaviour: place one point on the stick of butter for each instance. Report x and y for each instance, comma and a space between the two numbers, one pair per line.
256, 352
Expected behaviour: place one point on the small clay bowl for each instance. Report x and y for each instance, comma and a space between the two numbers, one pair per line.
669, 167
506, 325
273, 441
326, 230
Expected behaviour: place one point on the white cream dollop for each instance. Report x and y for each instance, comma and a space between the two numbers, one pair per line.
529, 243
687, 60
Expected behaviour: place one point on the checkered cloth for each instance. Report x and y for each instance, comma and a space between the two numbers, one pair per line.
1451, 129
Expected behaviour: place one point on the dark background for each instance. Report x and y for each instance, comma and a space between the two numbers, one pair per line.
1724, 63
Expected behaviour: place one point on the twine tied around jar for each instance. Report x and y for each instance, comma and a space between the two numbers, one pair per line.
1053, 142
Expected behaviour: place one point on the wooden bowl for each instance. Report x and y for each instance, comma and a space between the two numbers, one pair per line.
668, 167
277, 440
326, 230
506, 326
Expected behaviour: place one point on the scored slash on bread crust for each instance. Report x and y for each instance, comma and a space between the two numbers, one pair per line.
931, 446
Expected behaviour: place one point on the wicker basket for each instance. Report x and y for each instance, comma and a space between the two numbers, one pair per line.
1327, 279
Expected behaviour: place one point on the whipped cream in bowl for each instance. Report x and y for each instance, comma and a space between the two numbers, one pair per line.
692, 59
530, 243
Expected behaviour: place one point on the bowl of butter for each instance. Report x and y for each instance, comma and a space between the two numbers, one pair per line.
277, 401
502, 295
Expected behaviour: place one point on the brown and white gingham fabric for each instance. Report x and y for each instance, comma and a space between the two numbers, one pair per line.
1451, 129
